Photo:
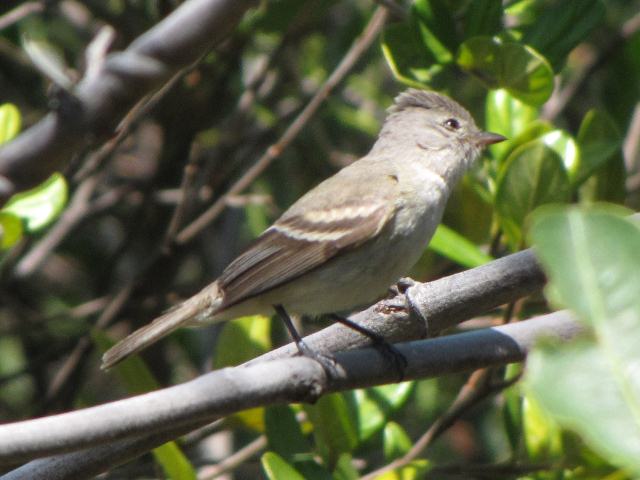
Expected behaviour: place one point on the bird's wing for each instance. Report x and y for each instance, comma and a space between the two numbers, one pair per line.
306, 237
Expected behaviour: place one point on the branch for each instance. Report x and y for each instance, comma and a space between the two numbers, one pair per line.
359, 47
443, 302
98, 103
230, 390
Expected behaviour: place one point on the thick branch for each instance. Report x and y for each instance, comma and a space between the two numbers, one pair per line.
285, 380
100, 101
443, 302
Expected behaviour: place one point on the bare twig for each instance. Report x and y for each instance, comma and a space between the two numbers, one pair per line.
361, 45
479, 386
20, 12
234, 461
99, 103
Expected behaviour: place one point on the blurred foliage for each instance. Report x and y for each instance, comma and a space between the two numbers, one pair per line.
560, 79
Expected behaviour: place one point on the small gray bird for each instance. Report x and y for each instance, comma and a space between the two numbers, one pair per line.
343, 243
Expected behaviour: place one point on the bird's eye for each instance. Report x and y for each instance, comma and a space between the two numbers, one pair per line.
452, 124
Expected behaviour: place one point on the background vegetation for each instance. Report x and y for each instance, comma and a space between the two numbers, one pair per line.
127, 227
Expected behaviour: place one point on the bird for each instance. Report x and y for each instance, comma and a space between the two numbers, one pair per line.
345, 242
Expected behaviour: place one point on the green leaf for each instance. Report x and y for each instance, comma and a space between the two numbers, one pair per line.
374, 405
396, 442
565, 146
561, 27
242, 339
174, 463
484, 17
577, 386
519, 69
277, 468
593, 386
508, 116
137, 379
542, 435
531, 176
41, 205
10, 122
405, 55
415, 470
10, 230
333, 427
284, 432
436, 28
599, 139
603, 284
451, 244
607, 183
344, 468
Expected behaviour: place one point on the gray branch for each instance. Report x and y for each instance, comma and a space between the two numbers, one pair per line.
226, 391
98, 103
273, 378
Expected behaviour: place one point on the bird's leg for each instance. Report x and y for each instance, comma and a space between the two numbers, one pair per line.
388, 351
327, 362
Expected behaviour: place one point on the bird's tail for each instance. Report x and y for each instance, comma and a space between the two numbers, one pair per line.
200, 307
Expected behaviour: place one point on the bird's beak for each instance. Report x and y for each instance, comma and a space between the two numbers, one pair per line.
488, 138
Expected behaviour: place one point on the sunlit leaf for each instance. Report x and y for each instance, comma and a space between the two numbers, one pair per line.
451, 244
374, 405
10, 122
277, 468
396, 442
592, 386
334, 428
517, 68
10, 230
565, 146
531, 176
138, 379
415, 470
39, 206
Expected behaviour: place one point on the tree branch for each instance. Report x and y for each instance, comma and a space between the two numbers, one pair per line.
230, 390
98, 103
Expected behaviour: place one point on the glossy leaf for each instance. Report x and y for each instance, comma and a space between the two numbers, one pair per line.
507, 116
531, 176
41, 205
577, 386
374, 405
283, 432
243, 339
334, 429
451, 244
593, 386
277, 468
405, 55
599, 139
562, 26
436, 28
565, 146
484, 17
137, 379
10, 122
10, 230
396, 442
519, 69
